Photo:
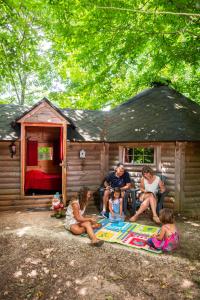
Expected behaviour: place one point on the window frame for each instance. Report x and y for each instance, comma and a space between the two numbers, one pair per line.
138, 164
51, 152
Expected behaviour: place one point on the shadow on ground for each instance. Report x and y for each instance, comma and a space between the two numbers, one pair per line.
40, 260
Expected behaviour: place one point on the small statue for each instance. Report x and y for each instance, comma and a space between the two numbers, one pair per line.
57, 206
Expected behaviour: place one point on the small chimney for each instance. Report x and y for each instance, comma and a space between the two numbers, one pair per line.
159, 83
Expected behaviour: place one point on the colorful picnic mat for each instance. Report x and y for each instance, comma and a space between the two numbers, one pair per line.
129, 234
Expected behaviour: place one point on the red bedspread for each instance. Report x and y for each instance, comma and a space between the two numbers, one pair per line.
39, 180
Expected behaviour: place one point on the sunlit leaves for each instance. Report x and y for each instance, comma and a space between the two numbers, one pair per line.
99, 52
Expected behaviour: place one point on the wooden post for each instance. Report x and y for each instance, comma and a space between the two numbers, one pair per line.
104, 160
64, 165
23, 155
157, 158
121, 154
179, 174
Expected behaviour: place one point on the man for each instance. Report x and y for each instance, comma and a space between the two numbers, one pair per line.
119, 178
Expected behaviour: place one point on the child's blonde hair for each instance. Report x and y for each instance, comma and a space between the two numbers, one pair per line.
166, 216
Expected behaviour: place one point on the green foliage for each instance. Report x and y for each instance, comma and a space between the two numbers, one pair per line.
99, 52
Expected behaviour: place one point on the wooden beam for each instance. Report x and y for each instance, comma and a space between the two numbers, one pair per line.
179, 174
41, 124
64, 165
23, 152
104, 161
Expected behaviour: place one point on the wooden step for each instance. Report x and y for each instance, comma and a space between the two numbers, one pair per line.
15, 203
25, 202
22, 207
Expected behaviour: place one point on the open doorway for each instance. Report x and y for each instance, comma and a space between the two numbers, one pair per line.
43, 158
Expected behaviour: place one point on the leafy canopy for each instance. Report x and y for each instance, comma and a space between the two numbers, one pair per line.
99, 52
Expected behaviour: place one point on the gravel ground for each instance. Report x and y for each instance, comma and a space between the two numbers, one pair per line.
39, 259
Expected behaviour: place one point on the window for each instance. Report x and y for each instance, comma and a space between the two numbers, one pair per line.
45, 153
139, 155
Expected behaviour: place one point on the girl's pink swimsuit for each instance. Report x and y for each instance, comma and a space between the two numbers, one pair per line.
166, 244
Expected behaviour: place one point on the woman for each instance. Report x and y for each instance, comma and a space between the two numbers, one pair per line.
149, 186
76, 222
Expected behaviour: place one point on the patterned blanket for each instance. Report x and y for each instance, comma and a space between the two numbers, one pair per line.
129, 234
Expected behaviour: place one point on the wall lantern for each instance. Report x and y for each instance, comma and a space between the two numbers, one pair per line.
12, 149
82, 153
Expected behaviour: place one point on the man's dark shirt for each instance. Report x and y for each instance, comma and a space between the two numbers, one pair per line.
115, 181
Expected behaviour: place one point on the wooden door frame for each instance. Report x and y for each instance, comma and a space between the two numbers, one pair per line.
23, 155
64, 165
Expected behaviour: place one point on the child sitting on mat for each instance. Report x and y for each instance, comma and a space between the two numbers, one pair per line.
75, 220
116, 206
168, 238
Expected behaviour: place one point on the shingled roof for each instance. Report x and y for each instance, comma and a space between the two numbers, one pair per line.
156, 114
89, 124
8, 114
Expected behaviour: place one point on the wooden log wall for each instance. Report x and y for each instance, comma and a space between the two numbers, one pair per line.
165, 164
10, 198
9, 175
179, 162
191, 186
167, 168
85, 172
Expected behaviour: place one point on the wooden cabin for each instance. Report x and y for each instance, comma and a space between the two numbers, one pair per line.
44, 149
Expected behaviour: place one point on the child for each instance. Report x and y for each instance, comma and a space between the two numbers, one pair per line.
75, 220
168, 238
115, 206
57, 206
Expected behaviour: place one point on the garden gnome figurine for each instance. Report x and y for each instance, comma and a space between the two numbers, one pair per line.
57, 206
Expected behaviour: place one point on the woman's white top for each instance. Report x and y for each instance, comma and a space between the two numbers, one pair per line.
70, 219
152, 187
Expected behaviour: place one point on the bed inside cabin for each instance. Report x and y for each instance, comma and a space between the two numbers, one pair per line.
43, 171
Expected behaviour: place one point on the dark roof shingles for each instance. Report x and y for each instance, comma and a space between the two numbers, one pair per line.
157, 114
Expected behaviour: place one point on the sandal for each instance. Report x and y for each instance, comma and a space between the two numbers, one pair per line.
156, 219
99, 243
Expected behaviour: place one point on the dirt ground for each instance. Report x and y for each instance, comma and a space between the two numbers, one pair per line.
39, 259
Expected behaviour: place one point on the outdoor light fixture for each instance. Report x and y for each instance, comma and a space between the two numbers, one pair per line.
12, 148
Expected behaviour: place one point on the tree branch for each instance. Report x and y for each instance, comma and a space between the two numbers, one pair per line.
150, 12
9, 70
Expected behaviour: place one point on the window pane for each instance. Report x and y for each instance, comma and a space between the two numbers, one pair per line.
148, 159
45, 153
148, 151
139, 155
138, 159
138, 151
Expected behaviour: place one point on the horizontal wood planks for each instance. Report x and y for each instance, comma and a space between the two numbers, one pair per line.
179, 162
84, 172
191, 186
9, 174
10, 182
166, 164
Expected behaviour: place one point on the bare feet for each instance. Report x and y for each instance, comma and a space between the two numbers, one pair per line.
134, 218
97, 243
156, 219
97, 225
